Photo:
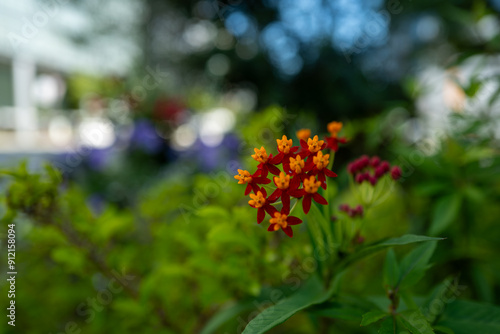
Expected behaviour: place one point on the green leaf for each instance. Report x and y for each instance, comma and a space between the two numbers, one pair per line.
442, 329
465, 317
414, 264
339, 312
225, 315
445, 212
387, 326
378, 246
391, 269
416, 322
372, 316
311, 293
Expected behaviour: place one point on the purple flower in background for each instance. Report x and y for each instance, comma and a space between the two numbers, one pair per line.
96, 204
99, 158
145, 137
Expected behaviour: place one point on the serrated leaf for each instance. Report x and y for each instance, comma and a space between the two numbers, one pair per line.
416, 322
311, 293
444, 213
372, 316
465, 317
391, 269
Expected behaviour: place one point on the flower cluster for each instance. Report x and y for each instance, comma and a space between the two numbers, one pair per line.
372, 169
333, 140
352, 212
297, 172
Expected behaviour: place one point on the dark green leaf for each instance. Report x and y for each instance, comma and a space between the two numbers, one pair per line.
378, 246
442, 329
416, 262
391, 269
372, 316
465, 317
445, 212
225, 315
416, 322
387, 326
344, 313
312, 292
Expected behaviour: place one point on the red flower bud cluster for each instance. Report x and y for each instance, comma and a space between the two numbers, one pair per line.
372, 169
352, 212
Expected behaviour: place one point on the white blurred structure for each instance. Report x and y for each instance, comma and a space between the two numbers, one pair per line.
38, 48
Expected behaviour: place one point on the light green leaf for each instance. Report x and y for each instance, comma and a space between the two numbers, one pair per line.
416, 322
444, 213
372, 316
465, 317
311, 293
391, 269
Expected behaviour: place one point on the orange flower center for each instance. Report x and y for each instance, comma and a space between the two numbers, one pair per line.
283, 181
321, 161
258, 200
311, 186
243, 176
284, 144
260, 155
297, 164
314, 144
280, 220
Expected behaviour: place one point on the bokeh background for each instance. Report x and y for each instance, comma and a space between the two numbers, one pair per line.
147, 108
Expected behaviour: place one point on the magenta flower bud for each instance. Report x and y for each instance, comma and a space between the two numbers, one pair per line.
359, 210
352, 213
396, 173
352, 168
360, 177
364, 161
374, 161
379, 172
385, 166
373, 180
344, 207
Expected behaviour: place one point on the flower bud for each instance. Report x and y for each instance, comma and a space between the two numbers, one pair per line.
396, 173
374, 161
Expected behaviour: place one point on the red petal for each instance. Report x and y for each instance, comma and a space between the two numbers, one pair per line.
248, 189
306, 204
297, 193
270, 209
261, 180
255, 187
294, 182
285, 198
319, 199
329, 173
286, 167
273, 169
263, 191
291, 220
294, 149
304, 145
271, 228
260, 215
322, 179
288, 230
274, 196
277, 159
